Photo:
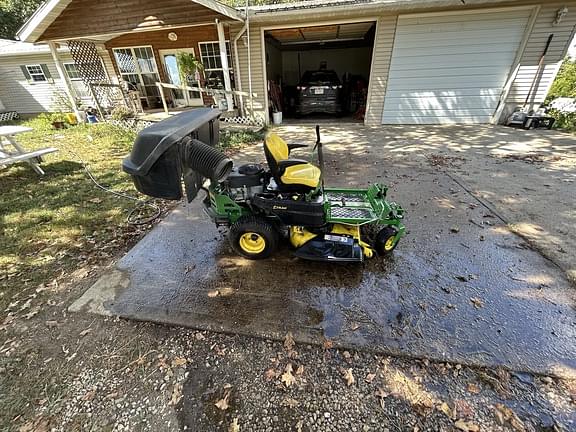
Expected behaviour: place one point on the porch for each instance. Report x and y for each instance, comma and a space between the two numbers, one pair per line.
146, 58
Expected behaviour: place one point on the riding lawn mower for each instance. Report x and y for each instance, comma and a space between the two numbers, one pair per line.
262, 206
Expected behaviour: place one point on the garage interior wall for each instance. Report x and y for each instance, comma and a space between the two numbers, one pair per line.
355, 61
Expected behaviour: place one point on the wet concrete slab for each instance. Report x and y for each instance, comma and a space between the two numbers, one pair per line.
460, 287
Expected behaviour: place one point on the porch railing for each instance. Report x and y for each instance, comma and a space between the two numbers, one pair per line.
215, 93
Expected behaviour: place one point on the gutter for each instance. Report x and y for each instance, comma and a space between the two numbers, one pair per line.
276, 12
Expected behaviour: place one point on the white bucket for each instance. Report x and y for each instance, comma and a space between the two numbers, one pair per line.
277, 118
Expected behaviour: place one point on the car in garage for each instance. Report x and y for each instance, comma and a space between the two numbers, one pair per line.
319, 92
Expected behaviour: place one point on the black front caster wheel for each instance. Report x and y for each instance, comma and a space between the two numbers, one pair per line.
386, 240
253, 238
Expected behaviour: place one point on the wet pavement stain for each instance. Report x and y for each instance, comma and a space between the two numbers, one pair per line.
445, 294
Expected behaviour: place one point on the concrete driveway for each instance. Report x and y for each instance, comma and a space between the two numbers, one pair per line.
461, 287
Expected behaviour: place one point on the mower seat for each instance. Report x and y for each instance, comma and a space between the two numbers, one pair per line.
291, 175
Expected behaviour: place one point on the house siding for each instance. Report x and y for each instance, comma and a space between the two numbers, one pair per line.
528, 66
381, 55
23, 97
384, 42
83, 18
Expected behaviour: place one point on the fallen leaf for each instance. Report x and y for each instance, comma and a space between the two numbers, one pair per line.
455, 229
327, 344
445, 408
179, 361
463, 409
89, 395
287, 377
355, 326
271, 374
473, 388
85, 332
477, 302
370, 377
505, 414
349, 377
95, 200
300, 370
223, 403
213, 293
290, 403
466, 426
382, 395
299, 425
289, 342
234, 426
199, 336
176, 394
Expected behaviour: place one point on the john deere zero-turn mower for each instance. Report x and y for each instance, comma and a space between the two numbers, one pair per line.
264, 206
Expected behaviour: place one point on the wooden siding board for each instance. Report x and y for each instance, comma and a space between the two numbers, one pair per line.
88, 18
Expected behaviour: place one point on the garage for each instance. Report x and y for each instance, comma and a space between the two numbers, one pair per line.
319, 72
451, 68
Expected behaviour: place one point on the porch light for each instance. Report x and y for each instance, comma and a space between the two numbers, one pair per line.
172, 36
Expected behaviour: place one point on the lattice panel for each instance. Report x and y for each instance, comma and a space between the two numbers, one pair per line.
7, 116
91, 68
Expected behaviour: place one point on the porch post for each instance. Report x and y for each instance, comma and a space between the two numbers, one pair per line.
64, 78
225, 66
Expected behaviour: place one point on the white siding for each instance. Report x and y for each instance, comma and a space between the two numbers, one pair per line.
20, 95
543, 27
383, 42
451, 68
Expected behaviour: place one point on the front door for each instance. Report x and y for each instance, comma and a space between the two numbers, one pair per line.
180, 97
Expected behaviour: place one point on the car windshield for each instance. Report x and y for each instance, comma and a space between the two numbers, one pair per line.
320, 77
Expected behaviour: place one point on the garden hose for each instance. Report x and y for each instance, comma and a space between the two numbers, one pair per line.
133, 217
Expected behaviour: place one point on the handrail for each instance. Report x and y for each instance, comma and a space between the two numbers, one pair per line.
161, 86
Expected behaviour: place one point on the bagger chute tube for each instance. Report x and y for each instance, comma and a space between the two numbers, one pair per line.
262, 207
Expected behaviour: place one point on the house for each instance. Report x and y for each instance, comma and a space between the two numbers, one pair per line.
29, 81
413, 61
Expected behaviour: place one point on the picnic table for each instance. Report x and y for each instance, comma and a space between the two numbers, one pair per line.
18, 153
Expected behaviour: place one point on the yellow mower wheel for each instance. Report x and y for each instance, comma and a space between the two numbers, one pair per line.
253, 238
386, 240
252, 243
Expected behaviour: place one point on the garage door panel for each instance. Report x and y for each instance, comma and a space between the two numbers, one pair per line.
456, 60
479, 82
452, 93
426, 120
444, 71
452, 68
430, 102
486, 49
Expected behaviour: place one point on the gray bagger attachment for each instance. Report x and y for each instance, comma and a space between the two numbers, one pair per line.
180, 147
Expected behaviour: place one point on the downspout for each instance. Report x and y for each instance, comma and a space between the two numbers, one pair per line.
237, 66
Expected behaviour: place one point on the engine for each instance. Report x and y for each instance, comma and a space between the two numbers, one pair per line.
245, 181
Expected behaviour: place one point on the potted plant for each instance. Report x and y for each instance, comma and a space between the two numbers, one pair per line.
189, 67
58, 120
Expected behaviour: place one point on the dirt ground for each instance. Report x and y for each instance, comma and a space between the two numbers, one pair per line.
65, 372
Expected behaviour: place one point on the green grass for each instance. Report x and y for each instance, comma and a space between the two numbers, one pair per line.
49, 224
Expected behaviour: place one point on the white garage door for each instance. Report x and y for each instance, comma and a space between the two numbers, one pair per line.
451, 68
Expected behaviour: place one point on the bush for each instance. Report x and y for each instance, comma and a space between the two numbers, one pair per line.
564, 120
234, 139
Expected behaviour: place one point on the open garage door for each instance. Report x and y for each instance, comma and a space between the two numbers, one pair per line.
451, 68
319, 72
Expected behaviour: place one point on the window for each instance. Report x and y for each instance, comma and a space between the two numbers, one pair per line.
36, 73
138, 67
72, 71
210, 55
